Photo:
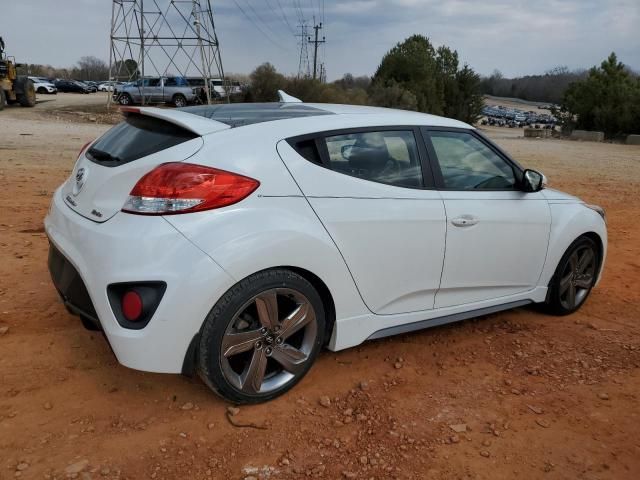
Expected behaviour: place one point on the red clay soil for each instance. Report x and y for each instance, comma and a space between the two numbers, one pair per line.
512, 395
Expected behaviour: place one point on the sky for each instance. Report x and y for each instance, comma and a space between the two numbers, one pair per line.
516, 37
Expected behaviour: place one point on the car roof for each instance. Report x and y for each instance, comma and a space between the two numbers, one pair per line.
240, 114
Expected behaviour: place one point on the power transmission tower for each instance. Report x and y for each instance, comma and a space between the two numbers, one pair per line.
303, 63
316, 42
164, 38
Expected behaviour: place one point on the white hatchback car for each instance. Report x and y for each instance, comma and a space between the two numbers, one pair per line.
235, 241
43, 85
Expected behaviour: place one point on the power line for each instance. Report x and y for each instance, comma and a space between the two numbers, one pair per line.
258, 27
296, 5
284, 16
260, 19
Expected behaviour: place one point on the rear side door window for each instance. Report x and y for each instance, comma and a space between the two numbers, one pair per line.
389, 157
467, 163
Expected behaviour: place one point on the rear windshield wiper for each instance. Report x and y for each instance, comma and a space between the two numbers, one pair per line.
103, 156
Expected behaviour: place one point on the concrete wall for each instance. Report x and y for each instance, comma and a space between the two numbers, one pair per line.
587, 136
537, 133
633, 140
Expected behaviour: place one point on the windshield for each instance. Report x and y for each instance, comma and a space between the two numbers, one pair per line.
136, 137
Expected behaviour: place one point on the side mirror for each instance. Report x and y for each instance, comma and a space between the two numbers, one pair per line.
533, 181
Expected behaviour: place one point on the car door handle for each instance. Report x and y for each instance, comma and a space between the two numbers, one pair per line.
464, 221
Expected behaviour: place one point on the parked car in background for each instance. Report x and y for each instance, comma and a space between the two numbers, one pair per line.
91, 86
174, 90
198, 84
71, 86
42, 85
108, 86
238, 240
218, 88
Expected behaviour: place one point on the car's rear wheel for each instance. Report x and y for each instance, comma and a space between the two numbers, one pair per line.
261, 337
574, 277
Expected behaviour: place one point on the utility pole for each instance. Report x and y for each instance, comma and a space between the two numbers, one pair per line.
142, 52
303, 64
206, 74
164, 38
316, 42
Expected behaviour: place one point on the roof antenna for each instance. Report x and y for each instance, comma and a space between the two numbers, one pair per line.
286, 98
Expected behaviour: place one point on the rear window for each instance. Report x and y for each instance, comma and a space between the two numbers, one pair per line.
136, 137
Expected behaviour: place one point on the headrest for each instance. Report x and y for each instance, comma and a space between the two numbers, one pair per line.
369, 153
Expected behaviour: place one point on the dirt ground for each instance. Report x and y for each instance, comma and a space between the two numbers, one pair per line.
512, 395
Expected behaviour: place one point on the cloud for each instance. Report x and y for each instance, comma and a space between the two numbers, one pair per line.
515, 36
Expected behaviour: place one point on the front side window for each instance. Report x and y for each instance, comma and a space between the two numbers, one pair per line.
468, 164
386, 156
148, 82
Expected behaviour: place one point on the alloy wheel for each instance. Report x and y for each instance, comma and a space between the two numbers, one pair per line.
268, 341
578, 277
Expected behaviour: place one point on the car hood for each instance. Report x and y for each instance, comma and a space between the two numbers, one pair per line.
556, 195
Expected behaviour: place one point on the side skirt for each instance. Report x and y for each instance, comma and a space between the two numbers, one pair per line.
434, 322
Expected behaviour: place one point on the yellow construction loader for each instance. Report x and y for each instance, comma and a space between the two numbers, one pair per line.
14, 88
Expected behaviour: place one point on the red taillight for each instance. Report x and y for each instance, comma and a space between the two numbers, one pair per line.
130, 109
132, 305
84, 147
180, 187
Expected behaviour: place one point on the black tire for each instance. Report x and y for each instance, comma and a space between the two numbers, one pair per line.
3, 99
179, 100
41, 90
559, 296
214, 367
125, 99
25, 92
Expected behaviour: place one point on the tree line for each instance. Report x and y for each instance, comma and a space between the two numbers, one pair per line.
548, 87
416, 75
607, 99
413, 75
87, 68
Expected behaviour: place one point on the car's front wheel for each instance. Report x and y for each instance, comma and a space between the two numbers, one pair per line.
125, 99
574, 277
261, 337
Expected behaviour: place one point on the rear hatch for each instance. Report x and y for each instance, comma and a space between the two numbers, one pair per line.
109, 168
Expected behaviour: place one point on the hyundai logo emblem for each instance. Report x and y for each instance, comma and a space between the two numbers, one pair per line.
81, 178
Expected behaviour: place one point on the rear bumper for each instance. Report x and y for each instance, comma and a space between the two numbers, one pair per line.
130, 248
70, 287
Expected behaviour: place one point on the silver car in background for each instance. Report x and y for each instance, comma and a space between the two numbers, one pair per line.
173, 90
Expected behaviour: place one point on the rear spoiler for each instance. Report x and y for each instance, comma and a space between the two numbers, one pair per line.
194, 123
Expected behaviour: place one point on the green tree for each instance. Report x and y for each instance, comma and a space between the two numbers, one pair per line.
412, 65
430, 75
467, 103
607, 100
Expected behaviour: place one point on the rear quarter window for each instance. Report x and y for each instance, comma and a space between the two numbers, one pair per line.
389, 157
